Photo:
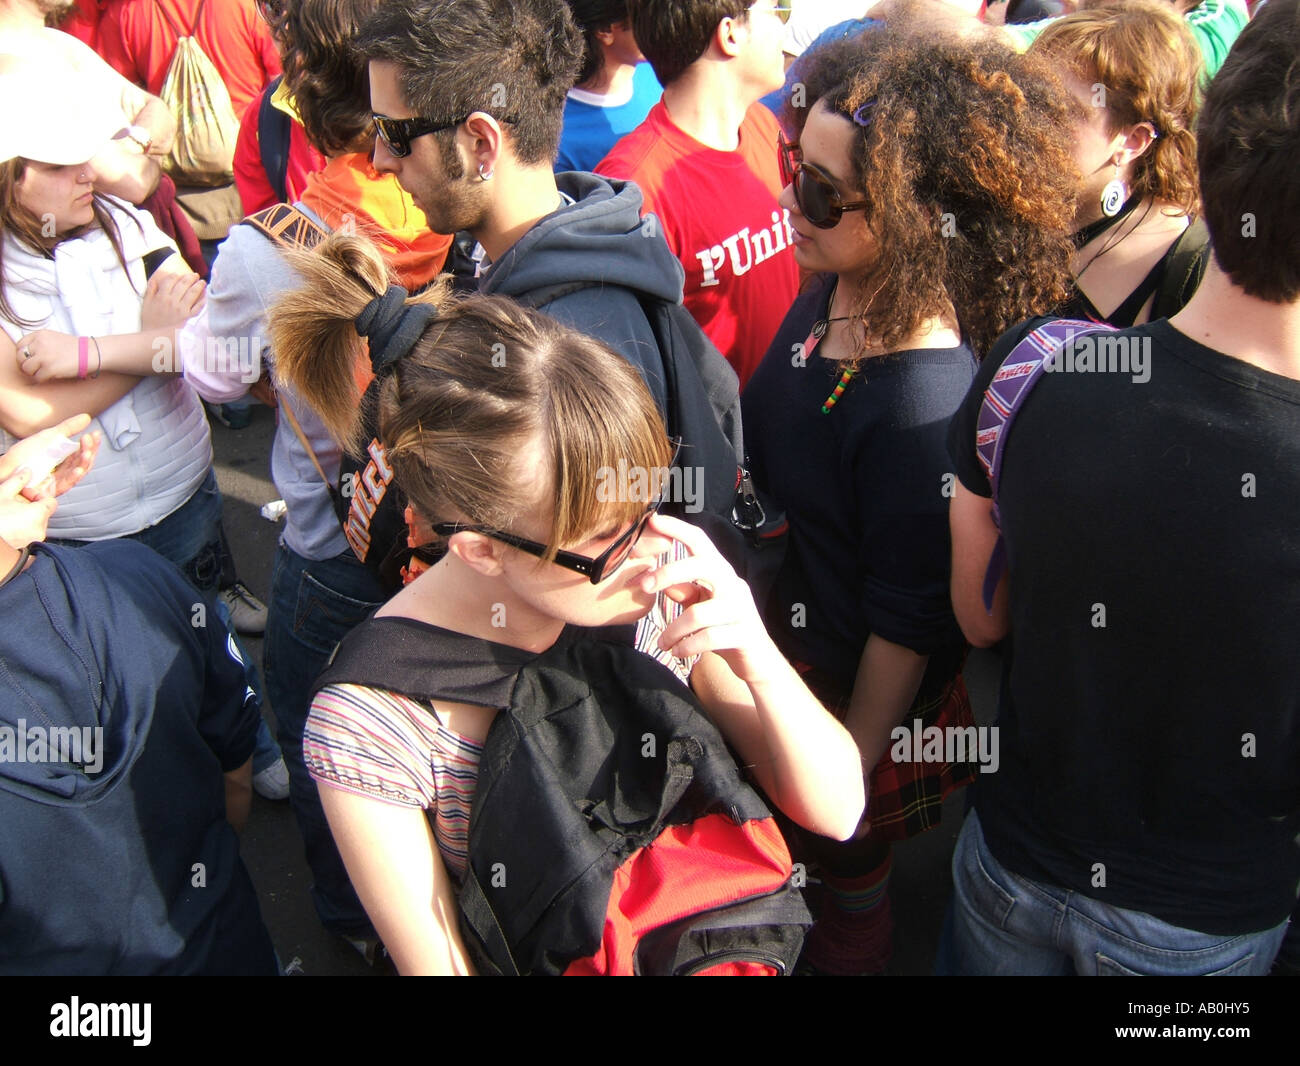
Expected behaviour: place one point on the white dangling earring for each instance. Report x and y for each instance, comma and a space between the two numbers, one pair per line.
484, 173
1114, 195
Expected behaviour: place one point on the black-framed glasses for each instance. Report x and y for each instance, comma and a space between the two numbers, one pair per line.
398, 133
814, 191
597, 569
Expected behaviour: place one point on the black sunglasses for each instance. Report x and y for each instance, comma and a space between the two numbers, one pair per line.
597, 569
815, 193
398, 133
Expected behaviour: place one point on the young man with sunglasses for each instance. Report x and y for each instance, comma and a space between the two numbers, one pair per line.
467, 112
705, 161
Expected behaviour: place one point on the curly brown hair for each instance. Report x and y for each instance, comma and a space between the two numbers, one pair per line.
1147, 60
965, 157
329, 81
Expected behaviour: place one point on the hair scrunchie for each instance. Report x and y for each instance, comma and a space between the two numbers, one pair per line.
392, 327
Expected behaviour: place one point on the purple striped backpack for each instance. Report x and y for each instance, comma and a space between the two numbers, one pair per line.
1020, 371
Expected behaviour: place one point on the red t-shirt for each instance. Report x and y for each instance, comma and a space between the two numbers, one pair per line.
83, 22
137, 41
719, 213
255, 190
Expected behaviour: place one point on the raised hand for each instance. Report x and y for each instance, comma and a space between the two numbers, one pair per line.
719, 613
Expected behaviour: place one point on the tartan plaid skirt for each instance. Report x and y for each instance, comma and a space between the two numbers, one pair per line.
906, 798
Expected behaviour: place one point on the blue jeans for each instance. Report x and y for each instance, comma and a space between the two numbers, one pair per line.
313, 606
191, 538
1000, 923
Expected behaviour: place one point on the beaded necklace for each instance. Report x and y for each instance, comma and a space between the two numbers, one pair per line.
838, 391
819, 330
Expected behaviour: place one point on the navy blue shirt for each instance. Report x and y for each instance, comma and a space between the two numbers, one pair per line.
866, 488
122, 862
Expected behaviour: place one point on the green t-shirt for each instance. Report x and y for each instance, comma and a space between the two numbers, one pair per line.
1214, 23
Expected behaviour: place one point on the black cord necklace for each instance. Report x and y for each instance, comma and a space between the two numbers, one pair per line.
823, 325
1093, 230
1110, 243
819, 330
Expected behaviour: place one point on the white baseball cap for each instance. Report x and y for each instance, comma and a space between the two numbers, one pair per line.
54, 116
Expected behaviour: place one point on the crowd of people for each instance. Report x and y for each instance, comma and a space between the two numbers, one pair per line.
634, 362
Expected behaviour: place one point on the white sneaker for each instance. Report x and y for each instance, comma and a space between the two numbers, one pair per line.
247, 612
273, 782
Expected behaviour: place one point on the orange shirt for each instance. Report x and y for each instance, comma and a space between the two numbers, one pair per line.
138, 42
719, 213
350, 194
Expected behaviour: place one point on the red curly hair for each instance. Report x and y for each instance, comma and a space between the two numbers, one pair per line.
1148, 62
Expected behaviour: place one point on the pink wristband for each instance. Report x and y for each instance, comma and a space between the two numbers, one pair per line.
83, 356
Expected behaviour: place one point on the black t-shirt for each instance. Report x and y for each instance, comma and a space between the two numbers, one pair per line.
866, 488
1150, 712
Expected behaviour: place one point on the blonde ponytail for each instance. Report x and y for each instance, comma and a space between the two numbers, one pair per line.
313, 329
462, 401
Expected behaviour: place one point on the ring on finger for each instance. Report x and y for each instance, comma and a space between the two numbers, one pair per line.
27, 353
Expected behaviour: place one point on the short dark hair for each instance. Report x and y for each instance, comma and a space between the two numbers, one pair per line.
673, 34
594, 17
1248, 143
329, 82
512, 59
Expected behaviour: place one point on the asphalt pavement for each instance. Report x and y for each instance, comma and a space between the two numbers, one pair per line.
273, 850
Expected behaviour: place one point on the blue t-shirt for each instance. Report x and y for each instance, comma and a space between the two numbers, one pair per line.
591, 129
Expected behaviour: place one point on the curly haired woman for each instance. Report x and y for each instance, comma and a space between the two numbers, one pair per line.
1135, 71
931, 195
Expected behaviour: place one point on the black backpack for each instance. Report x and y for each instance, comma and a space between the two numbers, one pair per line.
611, 831
274, 128
1184, 267
704, 411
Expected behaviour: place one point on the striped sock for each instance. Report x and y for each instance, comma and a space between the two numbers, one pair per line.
854, 933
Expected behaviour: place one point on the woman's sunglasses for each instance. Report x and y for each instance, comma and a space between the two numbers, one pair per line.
398, 133
819, 201
597, 569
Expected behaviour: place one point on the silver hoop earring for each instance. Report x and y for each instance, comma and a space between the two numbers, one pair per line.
1114, 195
484, 173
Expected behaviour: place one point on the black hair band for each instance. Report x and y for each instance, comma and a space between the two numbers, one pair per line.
392, 326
